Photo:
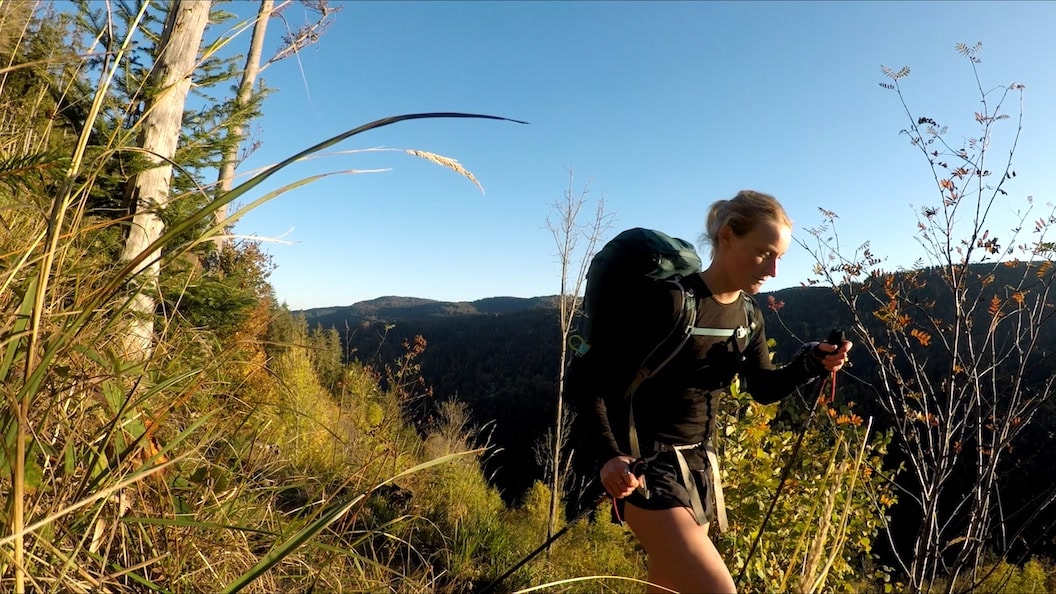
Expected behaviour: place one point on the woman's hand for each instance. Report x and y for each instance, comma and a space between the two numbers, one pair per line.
835, 356
618, 478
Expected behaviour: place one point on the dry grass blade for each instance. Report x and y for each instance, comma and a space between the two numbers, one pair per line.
592, 578
101, 494
448, 162
841, 532
327, 517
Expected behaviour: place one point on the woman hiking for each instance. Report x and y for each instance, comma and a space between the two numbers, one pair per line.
671, 417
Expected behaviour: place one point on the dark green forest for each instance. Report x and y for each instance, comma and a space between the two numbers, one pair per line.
498, 356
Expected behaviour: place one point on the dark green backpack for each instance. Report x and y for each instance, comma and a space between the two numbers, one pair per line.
633, 263
632, 258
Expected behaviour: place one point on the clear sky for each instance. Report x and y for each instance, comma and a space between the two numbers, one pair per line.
662, 107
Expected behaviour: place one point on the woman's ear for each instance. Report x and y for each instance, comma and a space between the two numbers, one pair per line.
725, 235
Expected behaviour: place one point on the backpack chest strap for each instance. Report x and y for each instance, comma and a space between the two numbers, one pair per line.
740, 332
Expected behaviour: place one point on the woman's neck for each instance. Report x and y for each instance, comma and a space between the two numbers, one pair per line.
722, 290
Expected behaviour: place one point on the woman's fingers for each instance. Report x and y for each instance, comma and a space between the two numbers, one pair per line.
620, 485
837, 356
630, 480
620, 491
625, 485
617, 478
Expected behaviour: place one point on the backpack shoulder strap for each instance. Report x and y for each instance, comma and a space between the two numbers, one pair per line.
752, 315
685, 315
661, 355
680, 333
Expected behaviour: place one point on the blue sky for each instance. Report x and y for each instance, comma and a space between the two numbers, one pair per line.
662, 107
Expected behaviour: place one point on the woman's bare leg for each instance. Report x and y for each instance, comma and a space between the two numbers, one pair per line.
681, 556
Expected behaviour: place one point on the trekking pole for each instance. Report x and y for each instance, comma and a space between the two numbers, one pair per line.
835, 338
543, 546
637, 467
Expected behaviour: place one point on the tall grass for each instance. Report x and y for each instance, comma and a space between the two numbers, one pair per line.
166, 474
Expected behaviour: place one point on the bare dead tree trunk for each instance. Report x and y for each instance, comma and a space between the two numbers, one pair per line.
170, 81
245, 92
568, 232
292, 43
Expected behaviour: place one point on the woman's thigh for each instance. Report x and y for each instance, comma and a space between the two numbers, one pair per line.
680, 552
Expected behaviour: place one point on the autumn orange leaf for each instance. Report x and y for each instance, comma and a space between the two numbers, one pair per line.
922, 337
995, 306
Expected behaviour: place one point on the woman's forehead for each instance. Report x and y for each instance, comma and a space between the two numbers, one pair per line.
771, 231
770, 235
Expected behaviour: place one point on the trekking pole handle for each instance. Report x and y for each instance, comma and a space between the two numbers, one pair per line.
835, 338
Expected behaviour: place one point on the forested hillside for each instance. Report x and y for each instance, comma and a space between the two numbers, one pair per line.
503, 366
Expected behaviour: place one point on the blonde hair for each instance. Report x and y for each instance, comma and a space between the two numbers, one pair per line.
742, 213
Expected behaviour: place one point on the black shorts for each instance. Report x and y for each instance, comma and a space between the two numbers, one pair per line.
663, 480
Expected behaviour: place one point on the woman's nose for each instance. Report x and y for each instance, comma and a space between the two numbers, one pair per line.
771, 267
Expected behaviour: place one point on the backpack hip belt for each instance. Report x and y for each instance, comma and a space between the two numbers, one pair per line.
704, 511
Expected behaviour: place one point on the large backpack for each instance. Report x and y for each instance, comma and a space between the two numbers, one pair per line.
633, 262
634, 257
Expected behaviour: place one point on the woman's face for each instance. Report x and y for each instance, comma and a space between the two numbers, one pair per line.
751, 259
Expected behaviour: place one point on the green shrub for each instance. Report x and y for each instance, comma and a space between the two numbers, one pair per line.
1036, 576
828, 511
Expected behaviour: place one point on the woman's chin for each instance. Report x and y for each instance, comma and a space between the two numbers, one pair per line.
754, 287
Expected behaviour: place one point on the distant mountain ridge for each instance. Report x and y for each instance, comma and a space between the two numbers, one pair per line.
393, 308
